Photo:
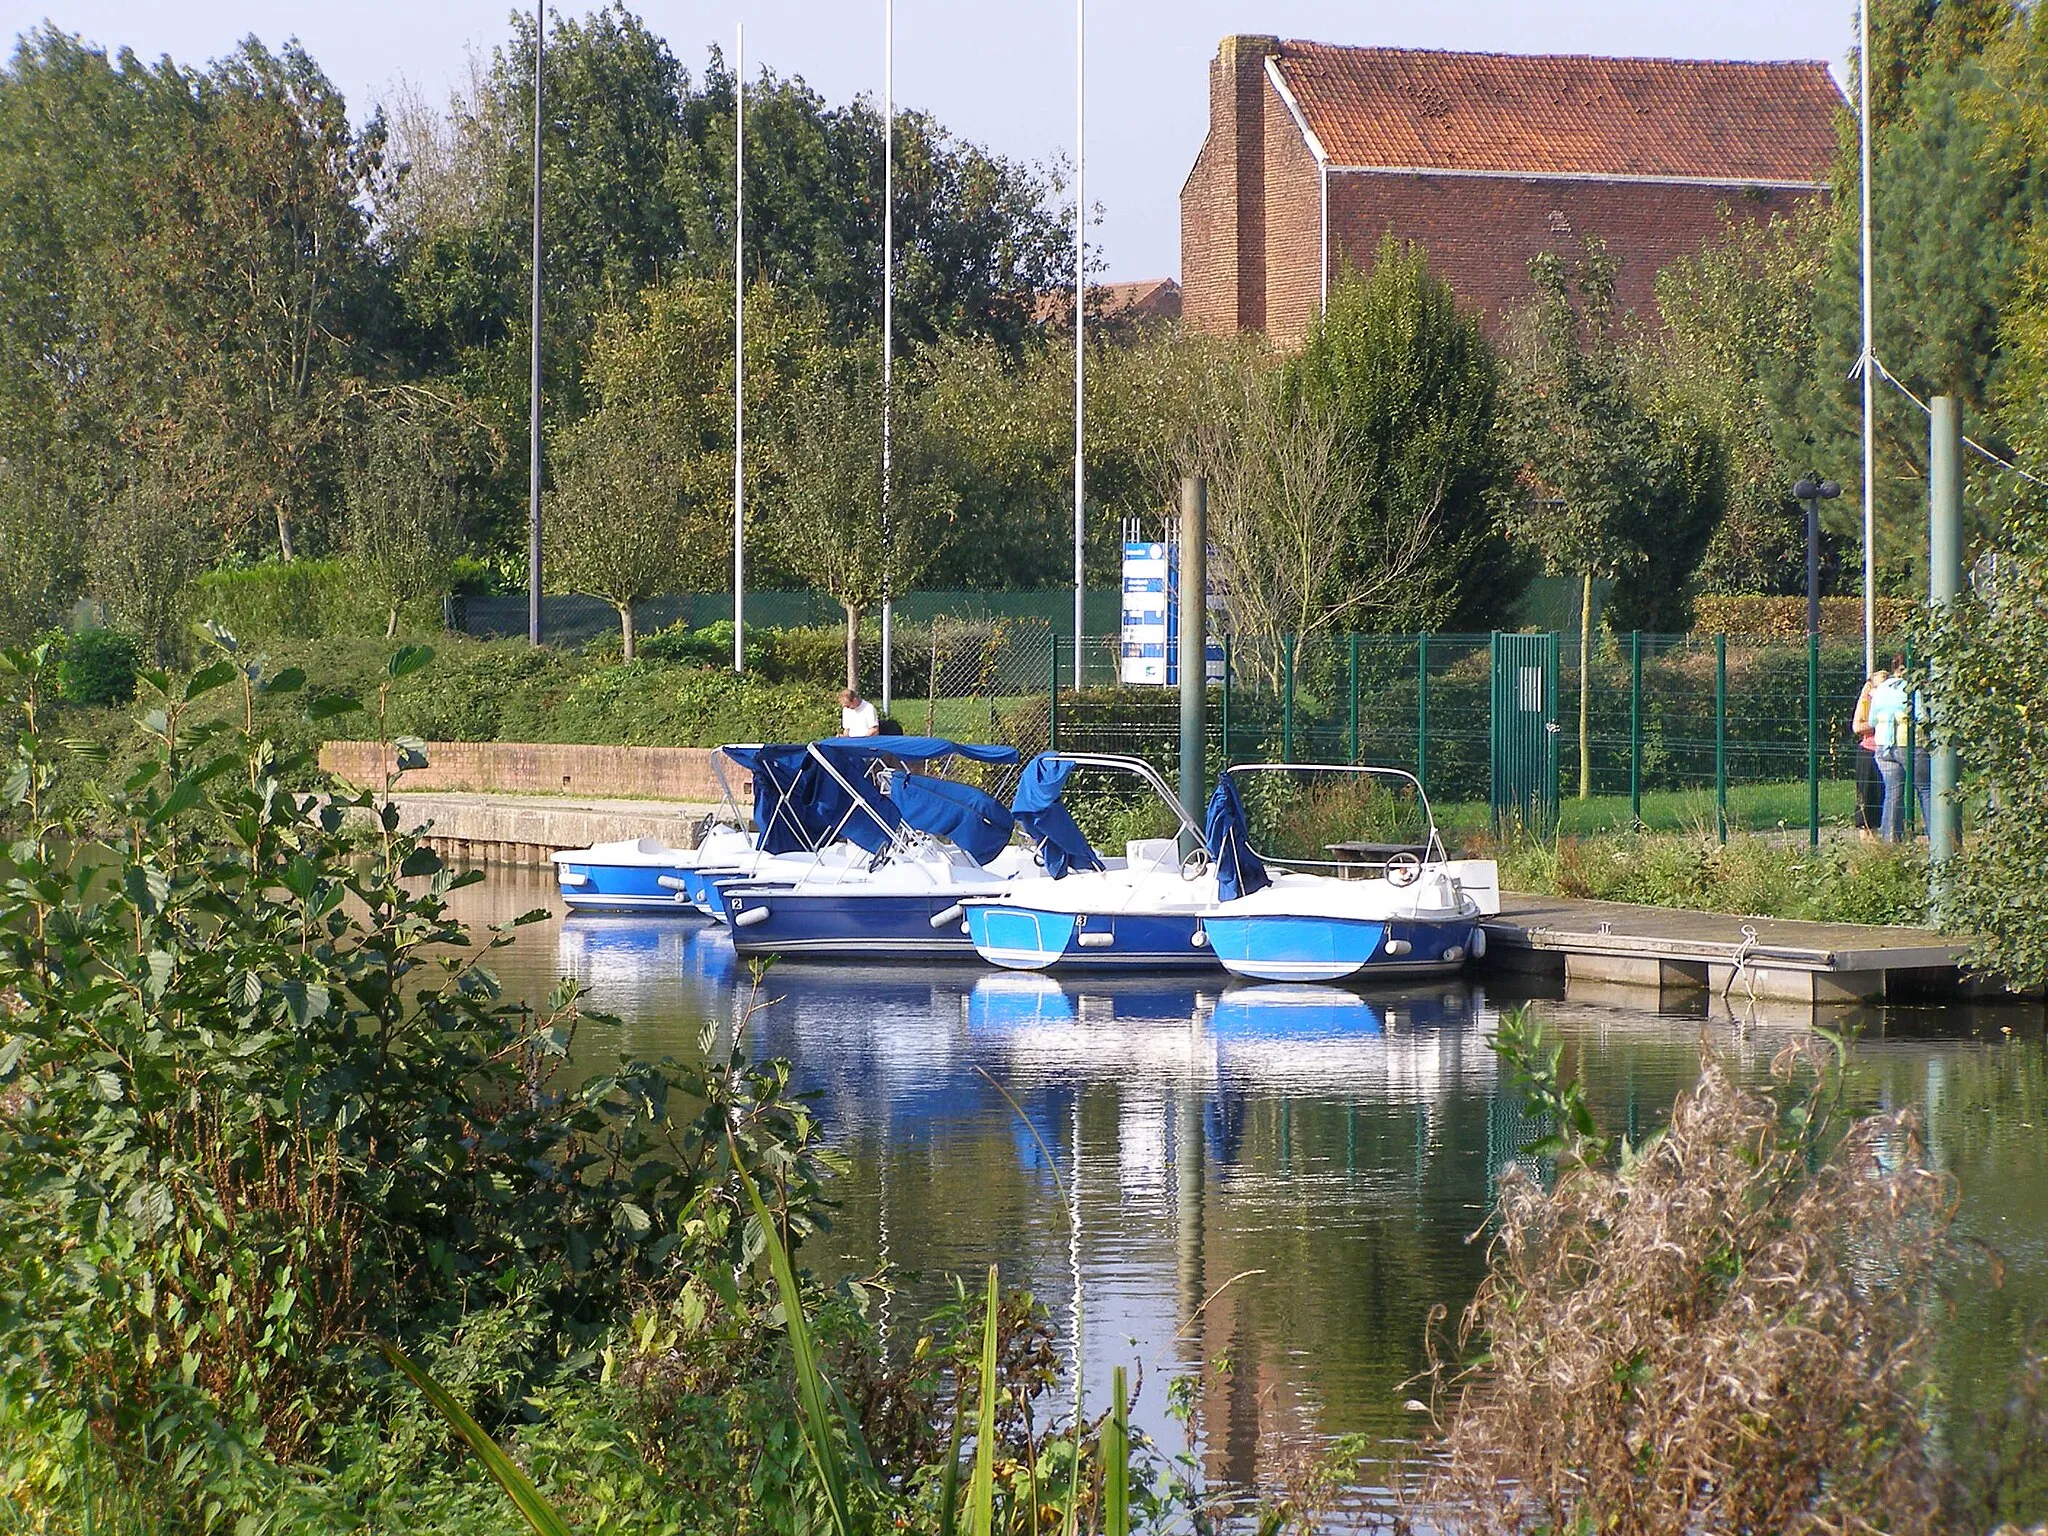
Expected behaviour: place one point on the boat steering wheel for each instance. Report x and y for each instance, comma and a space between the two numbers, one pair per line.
1404, 869
1193, 866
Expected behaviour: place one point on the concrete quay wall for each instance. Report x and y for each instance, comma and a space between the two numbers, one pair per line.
509, 829
546, 768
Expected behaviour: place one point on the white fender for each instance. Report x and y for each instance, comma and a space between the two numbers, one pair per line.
749, 917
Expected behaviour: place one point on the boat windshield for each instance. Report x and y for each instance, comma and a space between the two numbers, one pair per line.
1336, 818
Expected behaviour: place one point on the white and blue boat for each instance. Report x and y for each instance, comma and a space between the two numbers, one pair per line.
642, 874
1419, 915
1087, 913
647, 875
925, 844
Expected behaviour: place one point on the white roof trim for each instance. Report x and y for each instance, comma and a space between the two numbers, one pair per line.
1315, 145
1734, 182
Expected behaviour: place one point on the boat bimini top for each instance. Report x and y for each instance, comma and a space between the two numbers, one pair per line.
860, 789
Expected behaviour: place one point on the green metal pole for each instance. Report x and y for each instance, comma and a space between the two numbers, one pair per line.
1635, 727
1354, 698
1721, 735
1422, 711
1813, 741
1287, 699
1944, 586
1549, 811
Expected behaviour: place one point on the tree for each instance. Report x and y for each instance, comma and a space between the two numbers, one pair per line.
1410, 380
1282, 493
1994, 711
145, 548
824, 509
1957, 184
1608, 490
41, 549
618, 524
400, 526
1737, 327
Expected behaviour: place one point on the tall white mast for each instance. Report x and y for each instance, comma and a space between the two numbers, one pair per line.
888, 324
1868, 364
739, 352
1080, 328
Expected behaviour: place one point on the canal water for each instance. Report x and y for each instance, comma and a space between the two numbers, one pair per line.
1266, 1188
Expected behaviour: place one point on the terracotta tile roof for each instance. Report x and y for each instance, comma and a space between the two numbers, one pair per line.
1567, 113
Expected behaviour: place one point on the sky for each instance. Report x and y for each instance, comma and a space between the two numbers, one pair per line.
1001, 75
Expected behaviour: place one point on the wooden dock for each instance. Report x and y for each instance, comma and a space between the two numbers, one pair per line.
1601, 944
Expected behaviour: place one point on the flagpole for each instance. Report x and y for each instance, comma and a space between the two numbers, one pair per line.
1080, 330
533, 466
888, 322
1869, 362
739, 352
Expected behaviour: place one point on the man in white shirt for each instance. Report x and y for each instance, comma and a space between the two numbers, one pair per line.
856, 715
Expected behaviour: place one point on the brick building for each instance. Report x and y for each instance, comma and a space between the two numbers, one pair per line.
1316, 152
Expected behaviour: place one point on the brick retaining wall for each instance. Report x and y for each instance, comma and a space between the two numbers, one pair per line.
546, 768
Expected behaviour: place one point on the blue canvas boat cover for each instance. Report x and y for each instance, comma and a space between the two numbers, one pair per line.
1049, 824
973, 821
778, 774
1239, 871
799, 806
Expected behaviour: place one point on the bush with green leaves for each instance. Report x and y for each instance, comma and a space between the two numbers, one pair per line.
261, 1100
99, 667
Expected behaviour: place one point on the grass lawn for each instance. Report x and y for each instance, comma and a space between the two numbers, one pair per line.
1751, 808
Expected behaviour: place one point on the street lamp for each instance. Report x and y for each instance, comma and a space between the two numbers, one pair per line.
1812, 493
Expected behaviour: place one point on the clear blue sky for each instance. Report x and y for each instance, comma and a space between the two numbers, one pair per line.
1000, 74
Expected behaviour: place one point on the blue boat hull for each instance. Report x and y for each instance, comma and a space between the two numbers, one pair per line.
1280, 948
1021, 938
844, 925
624, 888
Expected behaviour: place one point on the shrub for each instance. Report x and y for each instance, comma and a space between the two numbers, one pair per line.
99, 667
299, 600
1784, 618
1723, 1330
1751, 876
263, 1100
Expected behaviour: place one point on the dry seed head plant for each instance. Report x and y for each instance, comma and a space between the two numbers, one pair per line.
1727, 1331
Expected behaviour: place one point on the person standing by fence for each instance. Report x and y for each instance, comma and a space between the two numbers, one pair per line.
1869, 782
1889, 710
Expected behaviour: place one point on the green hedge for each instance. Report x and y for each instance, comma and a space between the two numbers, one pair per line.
298, 600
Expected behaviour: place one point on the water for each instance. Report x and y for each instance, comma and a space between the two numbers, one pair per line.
1269, 1186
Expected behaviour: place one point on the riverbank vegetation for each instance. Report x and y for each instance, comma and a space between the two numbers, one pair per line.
1749, 875
264, 1109
1693, 1332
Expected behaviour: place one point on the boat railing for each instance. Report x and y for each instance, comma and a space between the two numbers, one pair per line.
1137, 766
1410, 856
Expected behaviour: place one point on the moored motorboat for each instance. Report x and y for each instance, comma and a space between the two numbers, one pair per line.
1420, 916
925, 845
641, 874
1086, 913
645, 874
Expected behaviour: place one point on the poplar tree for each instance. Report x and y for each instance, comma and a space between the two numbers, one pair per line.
1608, 491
